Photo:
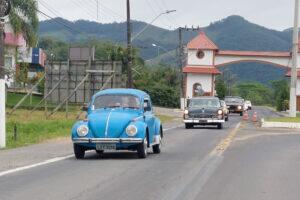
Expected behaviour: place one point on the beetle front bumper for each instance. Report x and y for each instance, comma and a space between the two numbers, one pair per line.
107, 140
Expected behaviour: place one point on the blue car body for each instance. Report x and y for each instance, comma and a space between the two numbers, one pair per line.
108, 125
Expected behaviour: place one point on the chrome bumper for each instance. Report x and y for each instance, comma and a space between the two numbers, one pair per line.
204, 121
107, 140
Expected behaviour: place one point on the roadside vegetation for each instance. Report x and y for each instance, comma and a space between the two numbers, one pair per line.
285, 119
276, 95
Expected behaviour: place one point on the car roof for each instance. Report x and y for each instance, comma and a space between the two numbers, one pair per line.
233, 97
135, 92
204, 97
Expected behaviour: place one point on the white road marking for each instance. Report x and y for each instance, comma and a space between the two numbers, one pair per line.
53, 160
34, 165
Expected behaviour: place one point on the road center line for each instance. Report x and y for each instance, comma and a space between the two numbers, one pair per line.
53, 160
202, 171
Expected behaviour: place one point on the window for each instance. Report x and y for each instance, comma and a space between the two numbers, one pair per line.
200, 54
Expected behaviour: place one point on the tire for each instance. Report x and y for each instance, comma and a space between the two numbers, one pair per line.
99, 152
227, 118
79, 151
142, 149
156, 148
220, 126
188, 126
241, 114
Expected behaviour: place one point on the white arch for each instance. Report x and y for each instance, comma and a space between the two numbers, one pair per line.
281, 59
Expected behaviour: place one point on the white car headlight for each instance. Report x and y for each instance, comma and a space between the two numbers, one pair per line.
131, 130
240, 107
82, 130
220, 112
186, 112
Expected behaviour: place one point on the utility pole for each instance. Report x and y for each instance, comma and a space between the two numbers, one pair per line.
293, 98
182, 60
129, 48
4, 10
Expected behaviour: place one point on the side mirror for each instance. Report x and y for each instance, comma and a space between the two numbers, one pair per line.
146, 109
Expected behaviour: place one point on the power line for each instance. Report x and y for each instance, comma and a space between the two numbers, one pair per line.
63, 24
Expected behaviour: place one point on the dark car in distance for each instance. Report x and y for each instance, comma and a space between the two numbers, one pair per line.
235, 104
204, 111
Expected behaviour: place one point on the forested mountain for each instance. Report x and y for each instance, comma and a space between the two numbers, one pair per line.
231, 33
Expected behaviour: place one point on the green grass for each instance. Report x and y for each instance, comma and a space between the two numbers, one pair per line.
285, 119
14, 98
165, 119
34, 128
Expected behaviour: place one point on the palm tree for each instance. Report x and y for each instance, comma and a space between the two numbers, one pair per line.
23, 19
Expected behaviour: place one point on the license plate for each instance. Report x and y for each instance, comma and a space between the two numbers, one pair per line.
106, 147
202, 121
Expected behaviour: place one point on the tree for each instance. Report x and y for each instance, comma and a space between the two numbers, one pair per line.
281, 94
221, 88
23, 19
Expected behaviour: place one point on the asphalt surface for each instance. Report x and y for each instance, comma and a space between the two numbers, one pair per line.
247, 162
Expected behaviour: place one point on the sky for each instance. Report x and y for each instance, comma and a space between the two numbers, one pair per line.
274, 14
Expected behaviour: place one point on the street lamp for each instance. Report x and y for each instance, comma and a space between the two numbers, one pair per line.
164, 49
154, 45
147, 26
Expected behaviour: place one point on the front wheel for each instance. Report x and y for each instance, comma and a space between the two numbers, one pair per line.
142, 149
220, 126
227, 118
241, 114
188, 126
79, 151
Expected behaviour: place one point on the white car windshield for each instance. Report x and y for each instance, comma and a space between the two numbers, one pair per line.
117, 100
202, 103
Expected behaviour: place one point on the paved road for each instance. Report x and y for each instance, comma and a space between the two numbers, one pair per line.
234, 163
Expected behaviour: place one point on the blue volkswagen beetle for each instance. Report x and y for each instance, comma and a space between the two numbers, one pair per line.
118, 119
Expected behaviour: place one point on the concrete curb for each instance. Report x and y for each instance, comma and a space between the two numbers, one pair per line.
289, 125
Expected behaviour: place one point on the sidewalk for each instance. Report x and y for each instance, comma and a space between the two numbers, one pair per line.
23, 156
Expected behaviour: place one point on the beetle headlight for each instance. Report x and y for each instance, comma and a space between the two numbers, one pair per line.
220, 112
82, 130
131, 130
186, 112
240, 107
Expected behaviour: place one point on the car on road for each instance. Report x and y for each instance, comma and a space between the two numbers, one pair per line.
204, 111
235, 104
225, 109
248, 105
118, 119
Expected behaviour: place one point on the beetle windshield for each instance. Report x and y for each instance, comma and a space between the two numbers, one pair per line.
116, 101
202, 103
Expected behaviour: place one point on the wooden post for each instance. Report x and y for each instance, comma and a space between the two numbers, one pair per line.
68, 88
45, 91
88, 88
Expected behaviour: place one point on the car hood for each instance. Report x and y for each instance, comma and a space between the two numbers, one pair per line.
234, 104
110, 123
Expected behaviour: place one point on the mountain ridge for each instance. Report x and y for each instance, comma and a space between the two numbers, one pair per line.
231, 33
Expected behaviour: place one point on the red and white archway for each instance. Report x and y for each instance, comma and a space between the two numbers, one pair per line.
204, 58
